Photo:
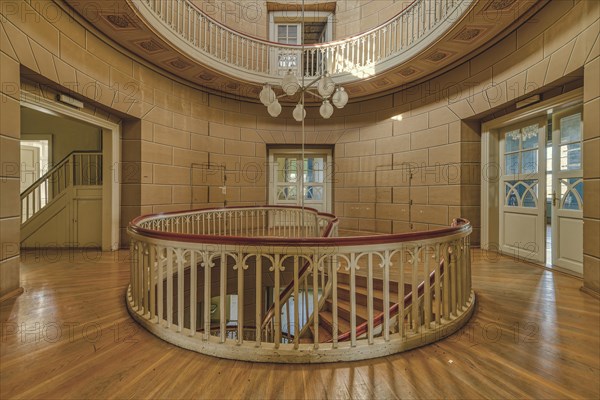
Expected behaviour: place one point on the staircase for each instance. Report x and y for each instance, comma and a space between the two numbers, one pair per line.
60, 209
344, 308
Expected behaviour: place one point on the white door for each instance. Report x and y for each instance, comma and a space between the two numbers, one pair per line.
567, 190
30, 165
522, 190
291, 176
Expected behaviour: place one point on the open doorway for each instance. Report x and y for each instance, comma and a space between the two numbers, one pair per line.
70, 161
532, 194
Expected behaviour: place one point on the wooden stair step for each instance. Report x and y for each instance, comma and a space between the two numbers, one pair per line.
363, 281
326, 320
324, 335
362, 295
362, 311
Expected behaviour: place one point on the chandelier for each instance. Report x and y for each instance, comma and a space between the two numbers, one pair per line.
326, 90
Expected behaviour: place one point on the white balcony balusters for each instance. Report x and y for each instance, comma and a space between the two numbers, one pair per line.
351, 55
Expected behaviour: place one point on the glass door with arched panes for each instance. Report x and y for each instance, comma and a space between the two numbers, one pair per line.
567, 190
522, 187
293, 178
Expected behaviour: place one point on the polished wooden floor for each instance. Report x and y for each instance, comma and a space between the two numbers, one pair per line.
534, 334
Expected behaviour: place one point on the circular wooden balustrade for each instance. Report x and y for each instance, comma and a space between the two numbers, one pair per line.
276, 284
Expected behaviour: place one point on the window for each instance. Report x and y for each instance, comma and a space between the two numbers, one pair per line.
286, 27
521, 151
291, 175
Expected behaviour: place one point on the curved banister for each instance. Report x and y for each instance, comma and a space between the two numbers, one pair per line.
316, 45
182, 20
462, 225
169, 251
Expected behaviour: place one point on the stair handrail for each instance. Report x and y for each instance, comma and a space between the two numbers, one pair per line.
393, 309
42, 178
286, 293
67, 164
408, 298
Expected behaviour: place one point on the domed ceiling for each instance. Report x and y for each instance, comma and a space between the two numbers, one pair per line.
481, 25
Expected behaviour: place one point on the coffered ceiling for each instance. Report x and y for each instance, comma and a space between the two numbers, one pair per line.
485, 23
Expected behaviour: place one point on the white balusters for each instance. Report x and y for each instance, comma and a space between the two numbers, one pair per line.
386, 299
146, 279
165, 274
334, 296
296, 303
180, 277
427, 298
446, 287
370, 298
159, 284
170, 278
353, 300
152, 281
71, 171
207, 263
437, 294
453, 284
222, 296
256, 55
415, 289
315, 286
258, 301
240, 293
193, 291
401, 252
277, 314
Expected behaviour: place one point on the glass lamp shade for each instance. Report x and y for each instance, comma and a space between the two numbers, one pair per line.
267, 95
290, 84
274, 108
326, 109
299, 113
340, 98
326, 86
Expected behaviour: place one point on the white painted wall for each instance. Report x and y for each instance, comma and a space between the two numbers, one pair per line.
67, 134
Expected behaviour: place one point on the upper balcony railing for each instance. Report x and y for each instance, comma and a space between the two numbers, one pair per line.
262, 59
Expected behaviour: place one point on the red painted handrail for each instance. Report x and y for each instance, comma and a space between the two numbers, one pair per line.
459, 225
271, 311
393, 311
378, 319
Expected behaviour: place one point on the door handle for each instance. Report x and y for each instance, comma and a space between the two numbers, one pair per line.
554, 198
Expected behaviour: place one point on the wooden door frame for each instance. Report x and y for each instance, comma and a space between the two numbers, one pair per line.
490, 162
296, 151
111, 162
